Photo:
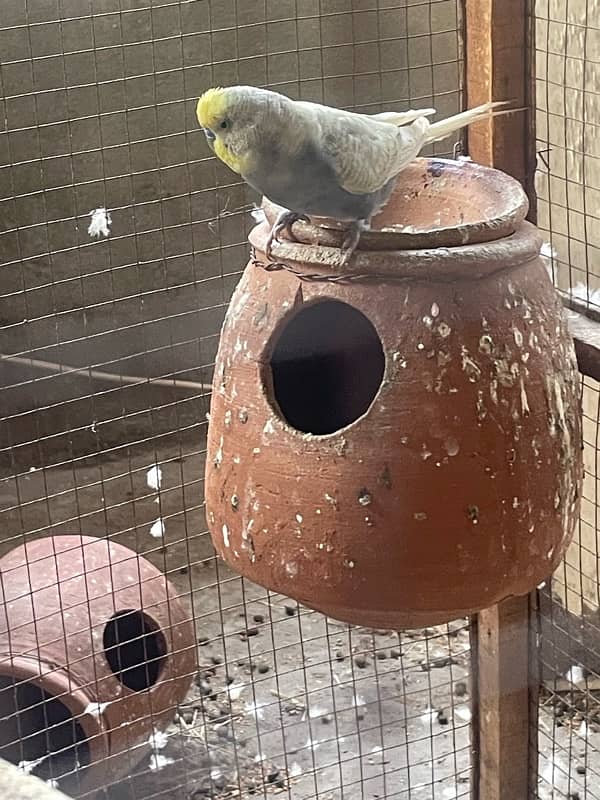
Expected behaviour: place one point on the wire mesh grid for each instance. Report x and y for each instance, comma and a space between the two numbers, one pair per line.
121, 241
567, 75
567, 44
569, 722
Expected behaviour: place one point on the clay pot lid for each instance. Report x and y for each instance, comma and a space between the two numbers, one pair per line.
436, 202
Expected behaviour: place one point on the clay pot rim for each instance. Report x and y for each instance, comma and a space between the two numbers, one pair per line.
468, 261
510, 205
59, 684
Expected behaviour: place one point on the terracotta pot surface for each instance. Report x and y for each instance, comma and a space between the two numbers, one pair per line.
403, 447
58, 597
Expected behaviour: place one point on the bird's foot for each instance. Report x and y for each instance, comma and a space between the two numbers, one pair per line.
284, 222
351, 239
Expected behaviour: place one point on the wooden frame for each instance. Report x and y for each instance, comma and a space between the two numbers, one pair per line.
499, 67
505, 668
498, 35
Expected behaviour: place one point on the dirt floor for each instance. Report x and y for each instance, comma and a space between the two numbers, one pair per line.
285, 701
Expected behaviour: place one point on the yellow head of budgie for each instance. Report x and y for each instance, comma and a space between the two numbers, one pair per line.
211, 108
214, 110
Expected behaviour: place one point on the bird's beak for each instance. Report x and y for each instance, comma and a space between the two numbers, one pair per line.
210, 136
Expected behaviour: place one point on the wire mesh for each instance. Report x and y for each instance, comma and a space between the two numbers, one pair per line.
121, 240
569, 730
567, 44
567, 183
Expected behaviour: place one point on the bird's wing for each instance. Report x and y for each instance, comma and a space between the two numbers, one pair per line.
393, 117
365, 154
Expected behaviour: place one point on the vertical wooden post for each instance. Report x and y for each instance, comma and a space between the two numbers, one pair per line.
498, 39
503, 699
500, 67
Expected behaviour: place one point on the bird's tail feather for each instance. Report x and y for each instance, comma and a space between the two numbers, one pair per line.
443, 128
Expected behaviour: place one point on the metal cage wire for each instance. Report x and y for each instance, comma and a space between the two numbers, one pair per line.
567, 75
121, 241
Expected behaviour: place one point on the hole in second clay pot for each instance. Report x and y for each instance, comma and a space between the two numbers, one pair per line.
135, 649
39, 732
327, 365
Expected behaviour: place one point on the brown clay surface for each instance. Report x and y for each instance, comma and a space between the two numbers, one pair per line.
459, 485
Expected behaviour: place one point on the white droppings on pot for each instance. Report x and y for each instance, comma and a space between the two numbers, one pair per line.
228, 416
425, 453
428, 321
524, 401
255, 450
291, 569
518, 336
365, 497
269, 427
452, 446
486, 344
420, 516
560, 408
444, 330
420, 346
470, 366
96, 709
218, 458
299, 519
435, 310
225, 531
494, 391
556, 499
480, 406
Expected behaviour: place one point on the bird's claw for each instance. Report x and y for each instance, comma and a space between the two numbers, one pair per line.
283, 223
350, 242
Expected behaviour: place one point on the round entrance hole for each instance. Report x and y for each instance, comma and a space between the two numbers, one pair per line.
135, 649
327, 365
37, 728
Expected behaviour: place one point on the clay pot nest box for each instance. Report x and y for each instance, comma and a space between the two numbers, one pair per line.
397, 443
96, 651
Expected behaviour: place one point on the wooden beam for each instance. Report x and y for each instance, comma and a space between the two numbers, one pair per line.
498, 35
502, 684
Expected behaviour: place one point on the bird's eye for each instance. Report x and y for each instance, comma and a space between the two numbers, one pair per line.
224, 124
